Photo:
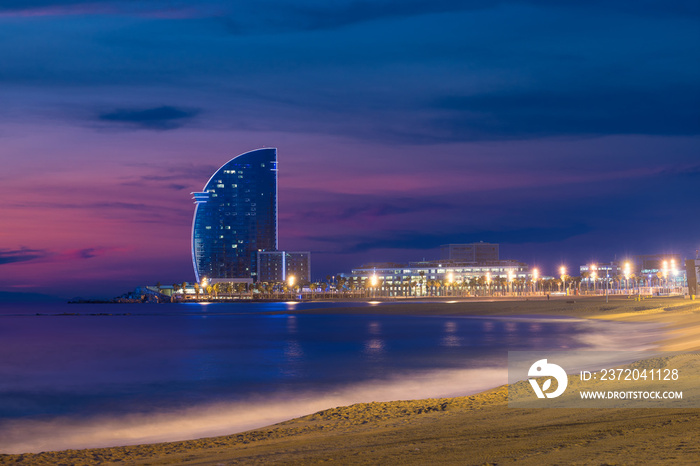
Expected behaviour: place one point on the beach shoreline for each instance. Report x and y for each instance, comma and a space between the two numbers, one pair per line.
414, 431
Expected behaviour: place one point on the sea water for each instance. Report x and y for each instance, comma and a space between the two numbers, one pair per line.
85, 375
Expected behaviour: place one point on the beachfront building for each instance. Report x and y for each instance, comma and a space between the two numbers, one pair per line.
442, 278
668, 268
645, 274
279, 266
235, 217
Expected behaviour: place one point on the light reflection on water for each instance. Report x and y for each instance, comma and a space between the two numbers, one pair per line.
57, 368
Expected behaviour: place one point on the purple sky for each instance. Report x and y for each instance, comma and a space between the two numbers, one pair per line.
566, 132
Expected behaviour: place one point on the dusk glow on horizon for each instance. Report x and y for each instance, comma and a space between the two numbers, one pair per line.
569, 134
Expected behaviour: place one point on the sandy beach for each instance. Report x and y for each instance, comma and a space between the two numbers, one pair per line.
479, 429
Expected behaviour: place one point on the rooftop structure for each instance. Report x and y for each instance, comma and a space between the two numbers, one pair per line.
470, 252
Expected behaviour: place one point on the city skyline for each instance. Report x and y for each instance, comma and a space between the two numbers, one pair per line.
565, 133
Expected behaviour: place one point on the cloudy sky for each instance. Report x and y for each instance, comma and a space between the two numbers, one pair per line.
566, 131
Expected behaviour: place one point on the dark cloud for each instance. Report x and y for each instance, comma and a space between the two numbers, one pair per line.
242, 16
346, 207
158, 118
331, 15
418, 240
582, 112
9, 256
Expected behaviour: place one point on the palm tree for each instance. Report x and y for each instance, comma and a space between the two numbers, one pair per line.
438, 285
584, 277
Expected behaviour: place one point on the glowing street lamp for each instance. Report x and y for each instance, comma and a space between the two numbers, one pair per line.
450, 278
535, 275
594, 274
665, 272
674, 271
626, 272
488, 281
562, 272
290, 281
373, 283
510, 280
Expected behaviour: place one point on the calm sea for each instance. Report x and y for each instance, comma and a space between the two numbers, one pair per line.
85, 375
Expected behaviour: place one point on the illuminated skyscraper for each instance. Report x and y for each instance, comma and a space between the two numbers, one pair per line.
235, 217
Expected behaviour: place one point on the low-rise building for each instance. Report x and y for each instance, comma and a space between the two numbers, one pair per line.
278, 266
441, 277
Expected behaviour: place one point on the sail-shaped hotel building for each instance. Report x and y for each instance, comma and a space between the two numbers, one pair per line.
235, 217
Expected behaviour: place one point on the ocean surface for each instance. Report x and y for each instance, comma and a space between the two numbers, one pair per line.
84, 375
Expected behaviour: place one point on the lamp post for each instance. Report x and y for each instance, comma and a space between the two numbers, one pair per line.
203, 285
373, 283
510, 281
674, 272
627, 276
535, 274
450, 279
488, 281
290, 282
665, 272
562, 272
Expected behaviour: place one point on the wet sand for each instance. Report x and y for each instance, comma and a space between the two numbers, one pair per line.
479, 429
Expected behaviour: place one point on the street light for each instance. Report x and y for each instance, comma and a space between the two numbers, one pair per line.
627, 275
290, 282
488, 281
450, 278
510, 281
535, 274
373, 282
204, 285
562, 272
665, 272
674, 271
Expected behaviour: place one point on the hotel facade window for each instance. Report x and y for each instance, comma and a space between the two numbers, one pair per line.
235, 217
